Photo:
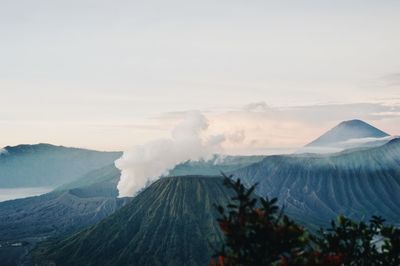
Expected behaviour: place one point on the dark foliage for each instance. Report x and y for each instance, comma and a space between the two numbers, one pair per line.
257, 232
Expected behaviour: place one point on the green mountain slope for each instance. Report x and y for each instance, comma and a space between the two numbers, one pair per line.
316, 188
169, 223
48, 165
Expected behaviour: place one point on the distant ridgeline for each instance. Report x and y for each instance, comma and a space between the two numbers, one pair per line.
48, 165
172, 221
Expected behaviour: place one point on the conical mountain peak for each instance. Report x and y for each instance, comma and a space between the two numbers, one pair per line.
348, 134
346, 131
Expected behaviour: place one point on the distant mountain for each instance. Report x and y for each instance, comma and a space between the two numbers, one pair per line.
63, 210
348, 134
171, 222
352, 129
48, 165
315, 188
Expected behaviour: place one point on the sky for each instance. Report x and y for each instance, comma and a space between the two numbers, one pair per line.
272, 75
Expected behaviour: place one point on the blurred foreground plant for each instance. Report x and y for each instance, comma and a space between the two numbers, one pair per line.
257, 232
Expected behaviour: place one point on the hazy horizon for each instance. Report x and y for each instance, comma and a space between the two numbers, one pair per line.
110, 75
260, 150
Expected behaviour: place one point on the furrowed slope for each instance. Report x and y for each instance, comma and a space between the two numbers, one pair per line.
170, 223
316, 188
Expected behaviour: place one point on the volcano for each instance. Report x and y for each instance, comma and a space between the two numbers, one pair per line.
347, 134
172, 222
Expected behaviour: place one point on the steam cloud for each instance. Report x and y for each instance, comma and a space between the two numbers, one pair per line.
146, 163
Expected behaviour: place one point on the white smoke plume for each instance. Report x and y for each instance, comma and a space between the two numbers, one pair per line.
146, 163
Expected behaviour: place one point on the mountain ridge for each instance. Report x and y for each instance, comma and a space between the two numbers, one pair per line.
316, 188
47, 165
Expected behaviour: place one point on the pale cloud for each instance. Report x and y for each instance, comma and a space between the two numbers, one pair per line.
257, 128
337, 112
385, 87
390, 80
357, 142
257, 107
254, 128
237, 136
102, 79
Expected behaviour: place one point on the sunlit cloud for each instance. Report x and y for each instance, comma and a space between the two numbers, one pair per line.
257, 128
